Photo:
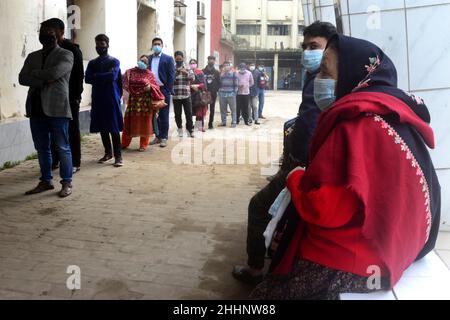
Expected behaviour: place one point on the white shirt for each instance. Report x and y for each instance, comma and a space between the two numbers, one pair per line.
155, 69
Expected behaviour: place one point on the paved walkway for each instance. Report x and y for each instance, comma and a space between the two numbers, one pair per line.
150, 230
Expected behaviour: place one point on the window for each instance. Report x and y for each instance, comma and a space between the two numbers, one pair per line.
278, 30
301, 28
248, 29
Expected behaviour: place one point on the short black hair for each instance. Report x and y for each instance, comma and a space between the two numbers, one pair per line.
102, 37
212, 58
54, 23
179, 53
157, 39
193, 60
320, 29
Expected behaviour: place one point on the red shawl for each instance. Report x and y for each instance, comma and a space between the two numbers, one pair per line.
136, 80
354, 147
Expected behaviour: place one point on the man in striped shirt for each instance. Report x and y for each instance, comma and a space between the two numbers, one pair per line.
227, 93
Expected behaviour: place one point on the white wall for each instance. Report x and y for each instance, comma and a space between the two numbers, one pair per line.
191, 29
121, 28
20, 21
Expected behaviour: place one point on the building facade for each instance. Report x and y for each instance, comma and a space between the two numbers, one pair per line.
130, 25
268, 32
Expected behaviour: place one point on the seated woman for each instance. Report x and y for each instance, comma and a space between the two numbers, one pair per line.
369, 202
144, 99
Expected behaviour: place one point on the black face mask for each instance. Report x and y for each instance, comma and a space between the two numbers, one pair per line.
47, 39
101, 51
179, 64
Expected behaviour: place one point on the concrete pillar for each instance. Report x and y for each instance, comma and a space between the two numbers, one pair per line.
263, 24
233, 16
275, 72
294, 26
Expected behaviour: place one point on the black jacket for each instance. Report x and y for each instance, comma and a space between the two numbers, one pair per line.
297, 142
77, 74
212, 79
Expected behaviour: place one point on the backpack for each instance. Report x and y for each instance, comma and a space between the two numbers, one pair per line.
262, 82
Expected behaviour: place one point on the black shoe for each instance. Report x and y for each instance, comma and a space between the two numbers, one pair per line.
41, 187
242, 274
257, 123
66, 190
248, 124
118, 163
210, 126
106, 158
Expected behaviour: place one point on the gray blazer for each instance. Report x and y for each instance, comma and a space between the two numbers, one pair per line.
52, 79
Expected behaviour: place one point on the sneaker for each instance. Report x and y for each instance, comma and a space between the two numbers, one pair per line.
76, 169
154, 141
180, 133
163, 143
66, 190
118, 163
41, 187
142, 149
106, 158
233, 125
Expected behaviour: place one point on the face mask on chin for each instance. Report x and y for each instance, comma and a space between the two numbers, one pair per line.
324, 90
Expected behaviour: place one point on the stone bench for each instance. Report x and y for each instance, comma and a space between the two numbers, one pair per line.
426, 279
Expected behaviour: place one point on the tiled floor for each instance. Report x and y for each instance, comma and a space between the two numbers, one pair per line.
443, 247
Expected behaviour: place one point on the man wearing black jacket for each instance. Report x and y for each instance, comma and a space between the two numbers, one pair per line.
213, 85
75, 91
295, 154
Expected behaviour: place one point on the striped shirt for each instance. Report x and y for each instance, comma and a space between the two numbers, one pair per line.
229, 85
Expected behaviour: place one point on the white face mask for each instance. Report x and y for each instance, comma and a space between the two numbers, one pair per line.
252, 68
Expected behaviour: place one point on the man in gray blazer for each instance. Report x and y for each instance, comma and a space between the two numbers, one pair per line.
47, 73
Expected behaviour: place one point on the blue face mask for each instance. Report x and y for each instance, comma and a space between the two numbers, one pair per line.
142, 65
312, 59
324, 93
157, 49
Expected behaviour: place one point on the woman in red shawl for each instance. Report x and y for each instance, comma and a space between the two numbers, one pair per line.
145, 98
197, 86
370, 199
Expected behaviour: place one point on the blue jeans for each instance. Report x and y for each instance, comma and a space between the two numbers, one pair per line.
44, 130
163, 117
261, 102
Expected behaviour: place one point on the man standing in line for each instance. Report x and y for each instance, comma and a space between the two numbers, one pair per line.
245, 79
213, 85
262, 85
75, 91
227, 94
254, 94
163, 68
47, 73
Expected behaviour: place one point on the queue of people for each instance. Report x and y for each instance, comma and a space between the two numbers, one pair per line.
326, 217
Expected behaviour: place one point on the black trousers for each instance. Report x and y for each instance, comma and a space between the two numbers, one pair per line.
259, 218
115, 137
178, 106
74, 137
242, 102
212, 107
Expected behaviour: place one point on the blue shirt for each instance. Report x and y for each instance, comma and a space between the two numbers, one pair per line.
155, 69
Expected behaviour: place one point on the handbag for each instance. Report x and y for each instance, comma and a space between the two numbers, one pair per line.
201, 98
